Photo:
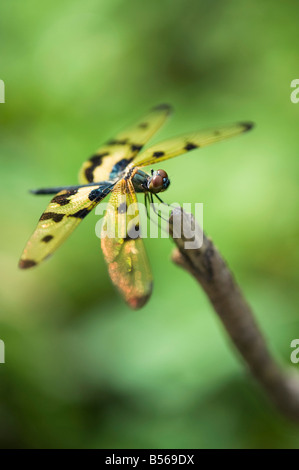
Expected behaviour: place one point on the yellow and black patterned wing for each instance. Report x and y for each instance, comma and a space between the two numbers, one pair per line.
123, 248
65, 211
179, 145
112, 158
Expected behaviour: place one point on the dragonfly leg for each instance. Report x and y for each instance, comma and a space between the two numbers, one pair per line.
146, 201
153, 206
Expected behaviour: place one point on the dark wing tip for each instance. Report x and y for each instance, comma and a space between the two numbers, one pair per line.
136, 302
247, 125
26, 263
163, 107
38, 191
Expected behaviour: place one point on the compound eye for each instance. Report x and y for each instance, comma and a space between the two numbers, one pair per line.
166, 183
162, 173
157, 182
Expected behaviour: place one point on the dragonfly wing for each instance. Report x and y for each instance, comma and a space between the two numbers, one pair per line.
123, 248
111, 159
179, 145
65, 211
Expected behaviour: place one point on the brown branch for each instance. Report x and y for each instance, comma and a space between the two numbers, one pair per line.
212, 273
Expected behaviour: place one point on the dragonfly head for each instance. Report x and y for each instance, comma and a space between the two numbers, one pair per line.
158, 182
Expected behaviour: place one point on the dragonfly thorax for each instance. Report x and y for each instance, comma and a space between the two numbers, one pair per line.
156, 182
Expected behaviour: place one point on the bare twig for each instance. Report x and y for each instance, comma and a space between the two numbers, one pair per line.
210, 270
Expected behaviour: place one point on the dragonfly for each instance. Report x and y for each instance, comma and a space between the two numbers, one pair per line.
116, 170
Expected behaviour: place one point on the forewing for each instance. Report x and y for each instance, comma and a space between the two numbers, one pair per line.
179, 145
111, 159
123, 248
65, 211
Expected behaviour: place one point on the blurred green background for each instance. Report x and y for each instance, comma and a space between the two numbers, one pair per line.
82, 370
